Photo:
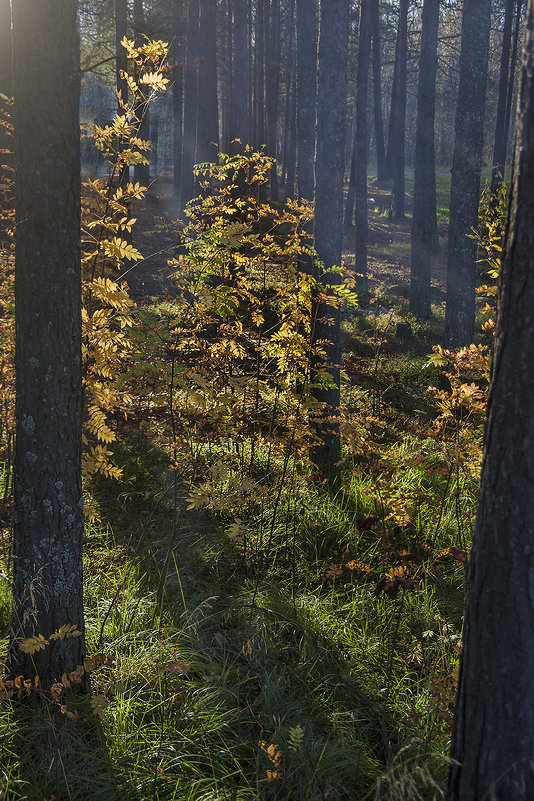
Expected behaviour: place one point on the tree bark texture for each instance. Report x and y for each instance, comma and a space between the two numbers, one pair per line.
424, 196
377, 95
240, 115
141, 171
493, 736
208, 111
329, 173
306, 95
466, 166
190, 103
178, 93
501, 135
362, 141
48, 502
399, 136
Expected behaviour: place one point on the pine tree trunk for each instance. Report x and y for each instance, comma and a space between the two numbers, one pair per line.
306, 94
208, 111
501, 134
241, 76
141, 171
362, 143
424, 196
178, 95
399, 142
493, 734
259, 72
190, 103
48, 501
377, 95
329, 173
466, 166
272, 88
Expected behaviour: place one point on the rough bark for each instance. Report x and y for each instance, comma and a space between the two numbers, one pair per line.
501, 135
362, 141
493, 735
190, 103
424, 196
272, 88
240, 117
177, 93
141, 171
377, 95
329, 172
306, 95
208, 111
466, 166
399, 138
48, 503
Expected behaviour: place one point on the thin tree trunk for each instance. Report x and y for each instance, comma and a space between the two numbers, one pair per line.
48, 499
241, 75
424, 197
259, 69
329, 173
511, 76
493, 733
228, 98
399, 147
121, 65
362, 143
501, 134
306, 94
272, 88
377, 95
190, 103
141, 171
290, 82
465, 183
208, 112
292, 146
178, 95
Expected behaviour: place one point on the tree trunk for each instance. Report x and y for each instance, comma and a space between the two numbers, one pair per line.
227, 99
190, 104
424, 197
493, 735
48, 501
399, 138
121, 65
208, 111
362, 141
511, 76
329, 173
306, 94
466, 165
501, 135
141, 171
290, 88
6, 75
240, 126
377, 95
259, 71
178, 95
272, 88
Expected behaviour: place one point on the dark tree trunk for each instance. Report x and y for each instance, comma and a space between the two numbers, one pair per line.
259, 73
178, 94
399, 137
121, 64
240, 127
329, 172
466, 165
351, 189
227, 104
190, 103
306, 95
6, 76
208, 112
511, 76
48, 501
289, 87
362, 141
272, 88
424, 197
141, 171
389, 163
121, 29
501, 134
493, 735
292, 144
377, 95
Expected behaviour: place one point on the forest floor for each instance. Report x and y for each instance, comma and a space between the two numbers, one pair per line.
280, 641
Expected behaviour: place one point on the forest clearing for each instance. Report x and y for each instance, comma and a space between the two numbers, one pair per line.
266, 421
